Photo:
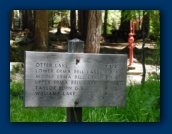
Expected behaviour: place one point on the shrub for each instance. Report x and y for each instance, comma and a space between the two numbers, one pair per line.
16, 89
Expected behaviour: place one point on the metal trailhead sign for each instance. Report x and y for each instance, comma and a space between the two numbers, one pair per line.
74, 79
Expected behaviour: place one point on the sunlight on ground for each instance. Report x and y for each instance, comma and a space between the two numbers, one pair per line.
64, 30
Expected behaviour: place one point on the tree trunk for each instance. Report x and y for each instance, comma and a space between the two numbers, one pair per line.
82, 24
105, 23
92, 44
20, 13
59, 28
27, 20
41, 30
145, 24
73, 32
30, 20
51, 16
24, 19
12, 19
143, 62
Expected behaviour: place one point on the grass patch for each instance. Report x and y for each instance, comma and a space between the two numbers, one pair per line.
142, 105
20, 114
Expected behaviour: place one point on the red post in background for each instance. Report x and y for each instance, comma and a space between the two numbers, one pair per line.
131, 44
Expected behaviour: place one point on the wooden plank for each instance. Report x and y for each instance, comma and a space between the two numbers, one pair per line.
74, 79
74, 114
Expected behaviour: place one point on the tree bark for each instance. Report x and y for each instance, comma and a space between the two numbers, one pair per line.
24, 19
41, 30
27, 20
12, 19
73, 32
145, 24
30, 20
92, 44
143, 62
83, 23
105, 23
19, 12
52, 18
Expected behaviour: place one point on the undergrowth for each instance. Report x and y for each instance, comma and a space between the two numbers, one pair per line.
142, 105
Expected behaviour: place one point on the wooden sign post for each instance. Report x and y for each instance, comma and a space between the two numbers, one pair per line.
74, 80
75, 114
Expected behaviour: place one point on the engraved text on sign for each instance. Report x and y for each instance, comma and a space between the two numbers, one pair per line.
74, 79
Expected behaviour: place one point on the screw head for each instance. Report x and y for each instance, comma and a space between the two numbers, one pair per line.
77, 59
76, 102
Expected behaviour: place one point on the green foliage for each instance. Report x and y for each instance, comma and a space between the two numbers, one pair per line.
17, 68
113, 20
112, 15
20, 114
154, 19
16, 89
57, 15
155, 23
126, 14
152, 56
142, 105
109, 29
132, 14
146, 102
16, 72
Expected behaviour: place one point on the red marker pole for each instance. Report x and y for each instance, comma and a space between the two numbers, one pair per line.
131, 46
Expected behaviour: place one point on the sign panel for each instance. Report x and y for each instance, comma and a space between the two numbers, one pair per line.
74, 79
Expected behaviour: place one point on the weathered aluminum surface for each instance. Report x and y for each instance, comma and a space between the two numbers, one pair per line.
74, 79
